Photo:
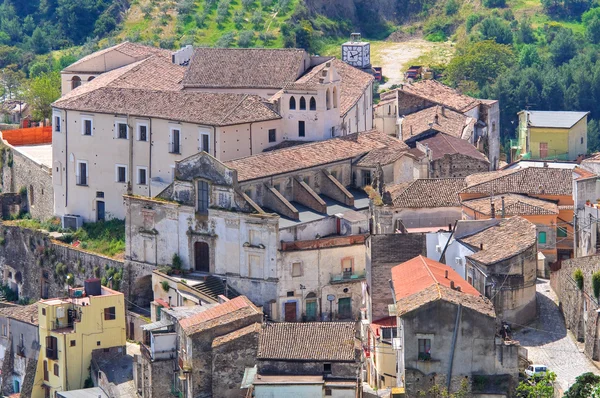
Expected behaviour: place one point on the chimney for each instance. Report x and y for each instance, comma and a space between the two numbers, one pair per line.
452, 285
492, 210
411, 129
458, 288
449, 227
446, 274
436, 119
481, 246
443, 111
503, 207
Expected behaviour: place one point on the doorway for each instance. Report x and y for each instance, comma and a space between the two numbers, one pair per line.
543, 150
290, 312
100, 213
345, 308
201, 257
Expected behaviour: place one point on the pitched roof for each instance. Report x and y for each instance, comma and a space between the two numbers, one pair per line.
514, 205
236, 334
388, 155
244, 67
354, 83
529, 181
23, 313
436, 118
555, 119
310, 155
441, 94
215, 109
427, 192
420, 281
583, 174
229, 311
442, 145
508, 238
134, 50
311, 341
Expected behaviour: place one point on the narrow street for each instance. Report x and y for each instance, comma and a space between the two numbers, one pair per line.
549, 343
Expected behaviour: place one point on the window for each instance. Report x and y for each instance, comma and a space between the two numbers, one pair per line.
57, 124
121, 173
73, 343
55, 369
333, 174
99, 194
335, 102
51, 347
389, 333
366, 177
292, 103
204, 142
43, 311
75, 82
272, 135
542, 237
175, 141
333, 131
328, 100
301, 128
296, 269
142, 132
97, 343
4, 331
582, 140
347, 266
302, 104
493, 127
345, 308
290, 293
110, 314
561, 232
328, 392
312, 105
121, 130
327, 368
31, 195
82, 173
87, 126
424, 349
46, 377
202, 197
141, 175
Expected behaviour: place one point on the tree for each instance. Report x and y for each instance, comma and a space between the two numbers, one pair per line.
583, 386
472, 20
494, 28
257, 19
39, 41
451, 7
226, 40
246, 38
479, 62
593, 134
494, 3
524, 33
41, 92
12, 77
542, 388
563, 47
28, 25
529, 56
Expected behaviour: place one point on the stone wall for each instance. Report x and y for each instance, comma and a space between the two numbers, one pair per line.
457, 165
12, 204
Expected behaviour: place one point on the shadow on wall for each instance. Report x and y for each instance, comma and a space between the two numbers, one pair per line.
546, 328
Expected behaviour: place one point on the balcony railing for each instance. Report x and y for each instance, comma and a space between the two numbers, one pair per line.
515, 144
556, 156
348, 277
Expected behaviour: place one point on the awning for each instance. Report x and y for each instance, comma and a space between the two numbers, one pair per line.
163, 323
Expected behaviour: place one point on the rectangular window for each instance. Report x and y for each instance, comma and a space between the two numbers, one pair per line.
141, 176
73, 343
290, 293
561, 232
205, 142
51, 347
272, 135
327, 368
366, 177
110, 314
424, 349
99, 194
86, 126
4, 331
121, 173
142, 132
389, 333
202, 197
55, 369
175, 144
82, 173
333, 131
542, 237
122, 130
43, 311
347, 266
57, 124
301, 129
297, 269
328, 392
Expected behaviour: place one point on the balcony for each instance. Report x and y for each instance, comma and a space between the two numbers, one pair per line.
344, 277
162, 346
514, 144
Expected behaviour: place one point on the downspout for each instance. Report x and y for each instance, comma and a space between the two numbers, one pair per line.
66, 160
453, 347
214, 140
251, 138
150, 158
130, 137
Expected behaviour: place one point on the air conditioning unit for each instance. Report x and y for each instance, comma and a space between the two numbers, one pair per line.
72, 222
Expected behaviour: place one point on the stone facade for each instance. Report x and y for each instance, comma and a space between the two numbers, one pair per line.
457, 165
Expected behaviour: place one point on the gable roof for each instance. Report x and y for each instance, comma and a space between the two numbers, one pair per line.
514, 205
229, 311
244, 67
508, 238
528, 181
555, 119
22, 313
421, 280
134, 50
436, 118
438, 93
354, 84
443, 144
311, 341
312, 154
427, 192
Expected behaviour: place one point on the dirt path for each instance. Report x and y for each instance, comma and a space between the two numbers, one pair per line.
395, 58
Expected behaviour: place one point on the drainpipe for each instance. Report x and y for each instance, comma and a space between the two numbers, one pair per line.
150, 158
251, 138
66, 160
214, 140
453, 347
130, 137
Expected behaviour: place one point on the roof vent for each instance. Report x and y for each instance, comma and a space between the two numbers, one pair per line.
458, 288
446, 274
452, 285
481, 246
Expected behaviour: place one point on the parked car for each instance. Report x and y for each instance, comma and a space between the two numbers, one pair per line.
536, 371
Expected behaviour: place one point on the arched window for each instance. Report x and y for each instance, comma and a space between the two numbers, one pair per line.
335, 97
91, 78
292, 103
312, 104
302, 104
75, 82
328, 99
542, 237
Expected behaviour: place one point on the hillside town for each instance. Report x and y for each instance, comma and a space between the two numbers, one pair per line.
288, 231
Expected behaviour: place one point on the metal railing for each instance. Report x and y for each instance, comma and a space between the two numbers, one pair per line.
556, 156
348, 276
514, 143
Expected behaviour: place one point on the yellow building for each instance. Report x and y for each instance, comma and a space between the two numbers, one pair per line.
70, 328
550, 135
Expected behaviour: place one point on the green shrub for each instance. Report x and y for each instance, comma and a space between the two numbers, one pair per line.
578, 277
596, 284
165, 286
472, 20
494, 3
177, 263
451, 7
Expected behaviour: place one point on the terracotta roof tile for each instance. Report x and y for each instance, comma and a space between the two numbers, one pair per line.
514, 205
529, 181
229, 311
439, 119
507, 239
311, 341
244, 67
442, 144
309, 155
354, 83
438, 93
583, 174
23, 313
254, 328
427, 192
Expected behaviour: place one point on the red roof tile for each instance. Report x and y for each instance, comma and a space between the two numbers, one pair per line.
237, 308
